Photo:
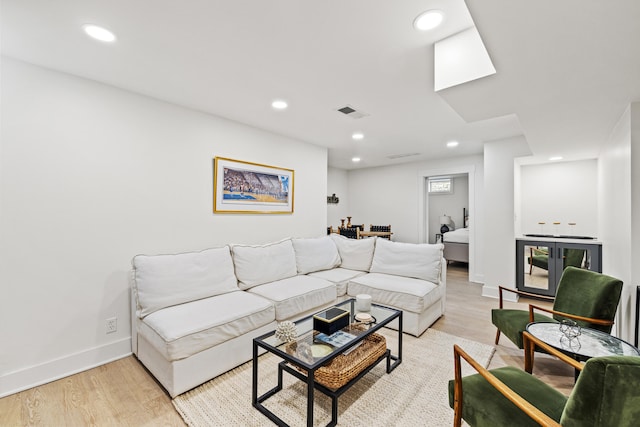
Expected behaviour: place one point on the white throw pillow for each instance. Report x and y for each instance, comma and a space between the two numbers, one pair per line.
165, 280
421, 261
315, 254
356, 254
260, 264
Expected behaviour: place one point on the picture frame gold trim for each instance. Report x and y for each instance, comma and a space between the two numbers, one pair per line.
241, 187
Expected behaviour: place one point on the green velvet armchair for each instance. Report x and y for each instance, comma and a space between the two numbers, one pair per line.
606, 394
587, 297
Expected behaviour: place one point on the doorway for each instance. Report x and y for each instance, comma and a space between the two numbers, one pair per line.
458, 206
448, 205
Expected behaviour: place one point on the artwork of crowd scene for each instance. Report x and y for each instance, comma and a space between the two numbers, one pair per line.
242, 185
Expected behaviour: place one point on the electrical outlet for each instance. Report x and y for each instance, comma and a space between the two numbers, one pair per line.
112, 325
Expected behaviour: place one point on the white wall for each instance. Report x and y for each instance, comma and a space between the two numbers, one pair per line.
634, 235
396, 195
619, 213
386, 195
499, 218
560, 192
338, 183
517, 199
91, 176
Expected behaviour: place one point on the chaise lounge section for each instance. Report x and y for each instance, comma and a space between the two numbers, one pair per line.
408, 277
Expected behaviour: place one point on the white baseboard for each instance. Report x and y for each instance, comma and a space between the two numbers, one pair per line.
26, 378
492, 292
477, 278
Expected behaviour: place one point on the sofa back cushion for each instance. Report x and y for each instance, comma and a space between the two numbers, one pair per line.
164, 280
315, 254
420, 261
260, 264
356, 254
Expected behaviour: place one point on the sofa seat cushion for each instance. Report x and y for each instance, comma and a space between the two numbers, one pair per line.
339, 276
405, 293
182, 330
297, 295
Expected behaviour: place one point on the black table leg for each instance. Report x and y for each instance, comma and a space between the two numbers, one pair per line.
398, 358
254, 380
334, 411
310, 389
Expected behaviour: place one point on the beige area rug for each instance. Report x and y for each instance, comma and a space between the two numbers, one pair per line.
414, 394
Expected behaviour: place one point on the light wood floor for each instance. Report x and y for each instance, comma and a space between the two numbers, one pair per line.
123, 393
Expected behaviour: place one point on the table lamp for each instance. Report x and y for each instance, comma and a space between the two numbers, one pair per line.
444, 222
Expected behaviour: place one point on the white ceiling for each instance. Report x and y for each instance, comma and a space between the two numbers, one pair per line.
566, 70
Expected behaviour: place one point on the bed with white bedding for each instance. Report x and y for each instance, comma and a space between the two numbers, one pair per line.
456, 243
461, 235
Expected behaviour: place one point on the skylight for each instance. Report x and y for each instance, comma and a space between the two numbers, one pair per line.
461, 58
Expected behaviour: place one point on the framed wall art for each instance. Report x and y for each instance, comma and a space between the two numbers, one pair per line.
246, 187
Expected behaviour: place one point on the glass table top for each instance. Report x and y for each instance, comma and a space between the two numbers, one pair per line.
588, 342
311, 348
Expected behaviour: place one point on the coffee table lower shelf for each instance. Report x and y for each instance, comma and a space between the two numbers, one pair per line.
333, 394
354, 359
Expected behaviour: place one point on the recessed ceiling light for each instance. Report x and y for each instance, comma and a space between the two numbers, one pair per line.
452, 144
355, 159
555, 158
99, 33
279, 104
428, 20
358, 136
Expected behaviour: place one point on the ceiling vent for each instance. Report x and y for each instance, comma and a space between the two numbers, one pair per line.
349, 111
400, 156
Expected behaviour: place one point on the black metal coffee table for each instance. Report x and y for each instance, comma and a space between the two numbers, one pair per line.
304, 367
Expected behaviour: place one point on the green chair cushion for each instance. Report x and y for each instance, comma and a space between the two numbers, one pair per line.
483, 405
513, 322
589, 294
572, 257
541, 261
607, 393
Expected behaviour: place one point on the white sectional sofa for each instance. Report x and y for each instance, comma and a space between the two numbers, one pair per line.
195, 314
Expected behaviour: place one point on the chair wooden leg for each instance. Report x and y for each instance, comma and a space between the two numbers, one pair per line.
457, 389
497, 336
529, 351
457, 415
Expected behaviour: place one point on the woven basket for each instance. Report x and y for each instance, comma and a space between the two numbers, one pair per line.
344, 368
